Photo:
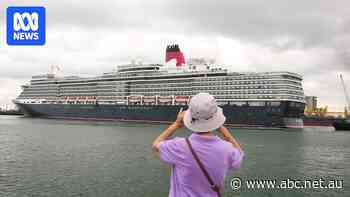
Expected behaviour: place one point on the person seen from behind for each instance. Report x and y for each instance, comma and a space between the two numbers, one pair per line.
200, 162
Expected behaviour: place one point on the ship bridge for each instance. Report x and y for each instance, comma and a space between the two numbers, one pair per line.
132, 68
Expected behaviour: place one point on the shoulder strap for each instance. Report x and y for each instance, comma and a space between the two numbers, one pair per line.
205, 172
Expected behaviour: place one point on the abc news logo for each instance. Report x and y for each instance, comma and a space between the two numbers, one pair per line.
26, 26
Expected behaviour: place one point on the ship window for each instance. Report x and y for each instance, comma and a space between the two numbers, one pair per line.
238, 103
292, 104
276, 103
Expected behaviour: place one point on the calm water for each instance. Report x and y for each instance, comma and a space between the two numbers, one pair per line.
70, 158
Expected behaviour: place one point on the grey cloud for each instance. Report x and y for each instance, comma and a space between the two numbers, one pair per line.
311, 22
307, 23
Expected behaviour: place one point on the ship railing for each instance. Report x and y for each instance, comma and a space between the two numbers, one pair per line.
269, 73
220, 80
158, 99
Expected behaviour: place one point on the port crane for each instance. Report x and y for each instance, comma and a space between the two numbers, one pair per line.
345, 92
343, 124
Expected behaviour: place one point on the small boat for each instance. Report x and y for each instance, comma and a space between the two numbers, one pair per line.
342, 125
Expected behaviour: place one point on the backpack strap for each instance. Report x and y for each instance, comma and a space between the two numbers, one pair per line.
205, 172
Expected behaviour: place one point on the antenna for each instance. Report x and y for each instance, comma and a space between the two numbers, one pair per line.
54, 69
133, 61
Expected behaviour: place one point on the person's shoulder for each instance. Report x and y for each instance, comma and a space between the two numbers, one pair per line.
178, 140
174, 142
228, 146
171, 151
224, 143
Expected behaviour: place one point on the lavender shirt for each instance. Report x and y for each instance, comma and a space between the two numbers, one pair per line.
187, 179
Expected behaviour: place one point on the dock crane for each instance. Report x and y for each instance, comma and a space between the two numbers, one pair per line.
345, 92
343, 124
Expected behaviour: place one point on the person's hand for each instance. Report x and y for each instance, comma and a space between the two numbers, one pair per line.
179, 119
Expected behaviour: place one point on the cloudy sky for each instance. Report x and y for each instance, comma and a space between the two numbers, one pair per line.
91, 37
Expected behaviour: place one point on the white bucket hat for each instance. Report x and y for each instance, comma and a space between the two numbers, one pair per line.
203, 114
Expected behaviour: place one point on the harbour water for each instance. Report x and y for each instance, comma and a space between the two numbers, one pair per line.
41, 157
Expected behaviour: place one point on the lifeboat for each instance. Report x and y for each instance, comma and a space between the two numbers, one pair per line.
181, 99
149, 99
91, 97
134, 99
165, 99
120, 99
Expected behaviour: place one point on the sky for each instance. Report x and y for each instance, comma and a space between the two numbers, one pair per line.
84, 37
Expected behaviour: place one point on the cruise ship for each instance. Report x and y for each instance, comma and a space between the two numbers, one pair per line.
154, 93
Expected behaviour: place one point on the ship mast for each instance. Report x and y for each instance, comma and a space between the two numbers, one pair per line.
345, 92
